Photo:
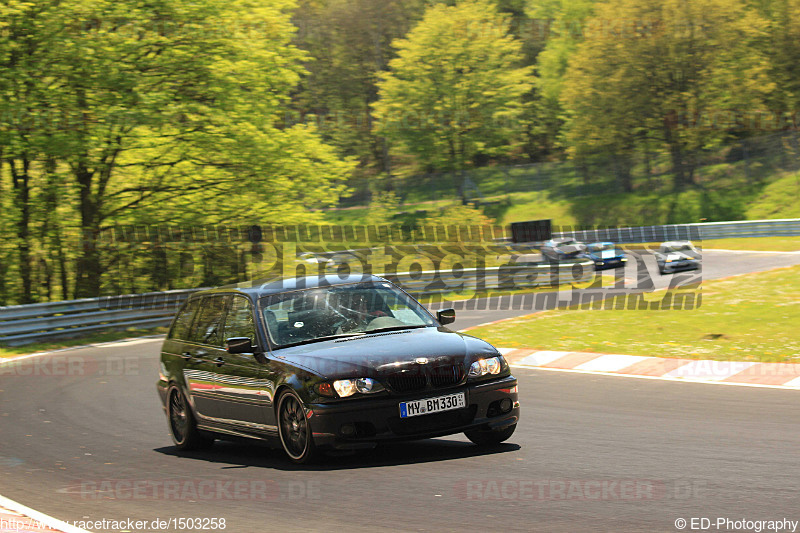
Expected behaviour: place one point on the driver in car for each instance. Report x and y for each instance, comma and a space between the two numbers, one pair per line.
359, 314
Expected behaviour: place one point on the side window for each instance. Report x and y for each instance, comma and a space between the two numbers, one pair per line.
183, 322
239, 321
208, 325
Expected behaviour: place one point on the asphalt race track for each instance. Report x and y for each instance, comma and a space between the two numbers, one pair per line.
84, 438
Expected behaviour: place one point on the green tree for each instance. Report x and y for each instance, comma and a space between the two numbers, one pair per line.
382, 207
142, 106
655, 77
349, 45
453, 96
562, 24
460, 214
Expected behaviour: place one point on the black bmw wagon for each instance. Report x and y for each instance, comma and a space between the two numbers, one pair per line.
313, 364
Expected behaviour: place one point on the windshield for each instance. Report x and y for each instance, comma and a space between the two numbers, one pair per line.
600, 247
316, 314
680, 248
566, 243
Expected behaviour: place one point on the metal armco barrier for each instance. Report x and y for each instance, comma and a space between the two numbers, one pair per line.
750, 228
24, 324
700, 231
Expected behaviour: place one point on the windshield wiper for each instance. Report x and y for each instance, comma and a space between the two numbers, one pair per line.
320, 339
393, 328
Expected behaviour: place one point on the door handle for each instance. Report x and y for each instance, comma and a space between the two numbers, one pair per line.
219, 361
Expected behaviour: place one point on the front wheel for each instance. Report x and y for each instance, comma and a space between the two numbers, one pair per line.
490, 436
294, 429
182, 424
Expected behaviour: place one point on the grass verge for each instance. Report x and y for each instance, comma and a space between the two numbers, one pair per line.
745, 318
767, 244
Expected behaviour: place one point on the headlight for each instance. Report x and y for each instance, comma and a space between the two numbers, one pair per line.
345, 387
481, 367
348, 387
365, 385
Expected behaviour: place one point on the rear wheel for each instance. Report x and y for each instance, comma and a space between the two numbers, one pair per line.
182, 424
490, 436
294, 429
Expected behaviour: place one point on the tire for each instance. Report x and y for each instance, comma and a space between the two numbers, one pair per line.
182, 424
486, 437
294, 430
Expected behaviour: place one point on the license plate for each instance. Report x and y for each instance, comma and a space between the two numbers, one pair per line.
433, 405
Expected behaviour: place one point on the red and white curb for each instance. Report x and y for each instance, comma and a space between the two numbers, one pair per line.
742, 373
16, 518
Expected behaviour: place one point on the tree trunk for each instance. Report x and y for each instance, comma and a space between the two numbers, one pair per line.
681, 171
4, 263
21, 182
88, 268
159, 268
622, 169
51, 230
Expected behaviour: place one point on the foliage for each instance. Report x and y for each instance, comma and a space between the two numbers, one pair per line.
349, 43
453, 93
458, 214
644, 85
382, 207
127, 107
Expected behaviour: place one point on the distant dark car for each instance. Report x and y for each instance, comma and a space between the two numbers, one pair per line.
673, 256
563, 248
340, 365
606, 255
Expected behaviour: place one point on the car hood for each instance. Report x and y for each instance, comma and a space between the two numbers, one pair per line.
605, 254
386, 353
680, 256
569, 250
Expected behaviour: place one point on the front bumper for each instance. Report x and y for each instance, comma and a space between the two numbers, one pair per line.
362, 423
614, 262
675, 266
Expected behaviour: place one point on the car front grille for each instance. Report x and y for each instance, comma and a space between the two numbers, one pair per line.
445, 376
408, 381
419, 379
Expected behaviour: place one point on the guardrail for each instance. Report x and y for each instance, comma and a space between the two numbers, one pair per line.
25, 324
690, 232
750, 228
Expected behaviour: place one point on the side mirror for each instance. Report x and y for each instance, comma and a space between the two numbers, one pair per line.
239, 345
446, 316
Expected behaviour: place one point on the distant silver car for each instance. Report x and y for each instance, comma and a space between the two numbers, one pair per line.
563, 248
673, 256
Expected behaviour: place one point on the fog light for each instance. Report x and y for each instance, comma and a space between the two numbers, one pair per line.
347, 430
505, 405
